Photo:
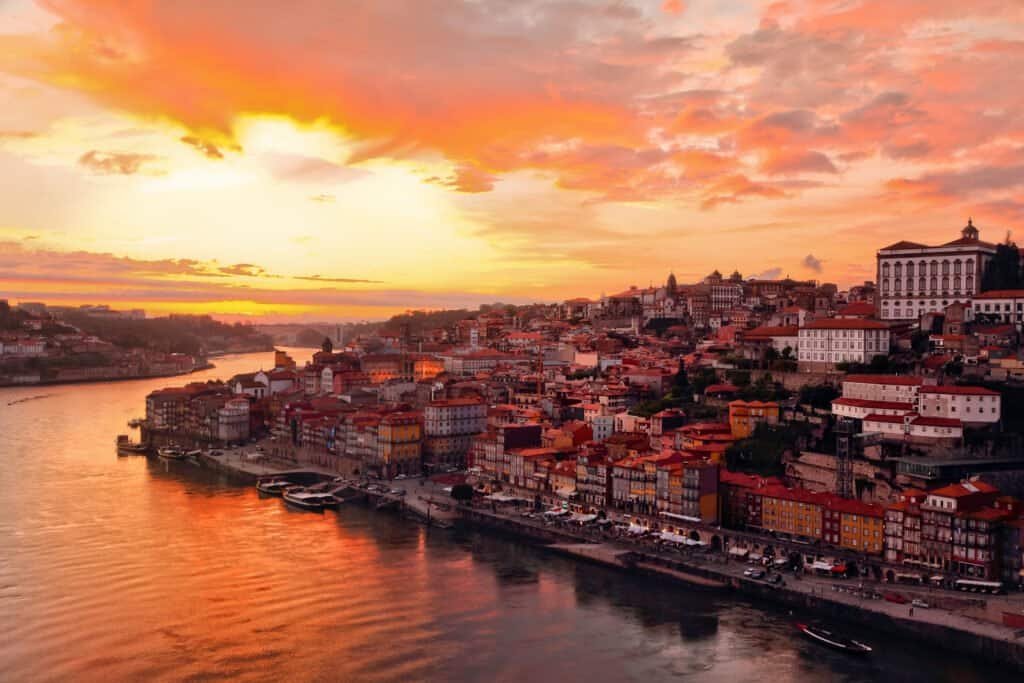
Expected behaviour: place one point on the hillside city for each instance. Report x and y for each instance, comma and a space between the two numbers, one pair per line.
879, 423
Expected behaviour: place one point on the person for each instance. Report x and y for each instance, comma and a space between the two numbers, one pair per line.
911, 610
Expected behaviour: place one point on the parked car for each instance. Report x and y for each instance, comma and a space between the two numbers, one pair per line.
918, 602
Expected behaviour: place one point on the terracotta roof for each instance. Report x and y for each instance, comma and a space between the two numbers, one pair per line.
904, 244
896, 380
766, 331
875, 405
721, 389
962, 490
857, 308
959, 390
844, 324
1001, 294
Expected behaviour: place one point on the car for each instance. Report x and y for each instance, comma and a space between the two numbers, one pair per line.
757, 574
918, 602
400, 476
750, 571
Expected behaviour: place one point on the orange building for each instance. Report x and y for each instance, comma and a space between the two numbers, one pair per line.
745, 416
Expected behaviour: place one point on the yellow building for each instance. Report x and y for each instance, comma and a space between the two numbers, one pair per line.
745, 416
792, 511
860, 527
399, 444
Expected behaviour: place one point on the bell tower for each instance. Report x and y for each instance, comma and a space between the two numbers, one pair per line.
969, 232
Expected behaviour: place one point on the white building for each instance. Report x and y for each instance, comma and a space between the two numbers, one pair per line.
914, 279
968, 404
898, 388
898, 406
824, 343
1000, 306
233, 420
914, 426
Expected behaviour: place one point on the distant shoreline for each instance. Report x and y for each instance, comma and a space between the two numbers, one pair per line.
98, 380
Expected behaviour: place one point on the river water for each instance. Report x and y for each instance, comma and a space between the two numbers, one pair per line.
133, 569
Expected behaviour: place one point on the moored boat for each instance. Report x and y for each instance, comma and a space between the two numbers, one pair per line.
273, 486
834, 640
171, 454
126, 447
309, 500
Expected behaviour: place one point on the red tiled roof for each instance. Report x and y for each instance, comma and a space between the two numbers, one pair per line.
857, 308
877, 417
897, 380
959, 390
844, 324
904, 244
721, 389
962, 490
876, 405
1001, 294
767, 331
937, 422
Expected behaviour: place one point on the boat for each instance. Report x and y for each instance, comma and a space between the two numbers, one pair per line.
834, 640
126, 447
309, 500
273, 486
171, 454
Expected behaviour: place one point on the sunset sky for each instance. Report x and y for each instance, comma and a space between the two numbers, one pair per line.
349, 160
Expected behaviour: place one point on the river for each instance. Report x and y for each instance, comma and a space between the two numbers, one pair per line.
132, 569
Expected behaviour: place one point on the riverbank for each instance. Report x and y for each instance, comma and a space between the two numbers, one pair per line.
206, 365
940, 628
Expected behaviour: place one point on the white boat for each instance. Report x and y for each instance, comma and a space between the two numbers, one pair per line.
273, 486
309, 500
834, 640
171, 453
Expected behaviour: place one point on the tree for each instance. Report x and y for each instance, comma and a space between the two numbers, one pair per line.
1003, 271
462, 492
818, 395
327, 346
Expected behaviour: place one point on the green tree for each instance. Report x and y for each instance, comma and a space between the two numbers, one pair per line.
1003, 271
462, 492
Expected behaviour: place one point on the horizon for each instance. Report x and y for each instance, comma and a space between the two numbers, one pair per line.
192, 157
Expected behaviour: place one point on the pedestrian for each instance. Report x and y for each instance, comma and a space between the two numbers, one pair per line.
911, 610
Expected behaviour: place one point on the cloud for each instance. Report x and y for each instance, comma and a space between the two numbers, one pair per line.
17, 135
117, 163
206, 148
673, 7
737, 188
244, 269
811, 263
299, 168
323, 198
466, 178
318, 278
785, 162
771, 274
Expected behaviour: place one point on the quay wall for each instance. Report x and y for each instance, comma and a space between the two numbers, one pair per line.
1007, 652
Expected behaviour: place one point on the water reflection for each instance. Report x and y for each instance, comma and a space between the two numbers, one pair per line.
135, 569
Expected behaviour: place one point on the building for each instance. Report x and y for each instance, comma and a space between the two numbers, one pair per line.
826, 342
399, 444
793, 512
233, 421
938, 510
969, 404
914, 279
1000, 306
449, 426
745, 416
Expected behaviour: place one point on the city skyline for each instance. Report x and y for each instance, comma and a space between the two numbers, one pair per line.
349, 163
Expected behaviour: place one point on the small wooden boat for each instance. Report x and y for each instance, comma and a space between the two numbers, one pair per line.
273, 486
171, 454
834, 640
313, 501
126, 447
